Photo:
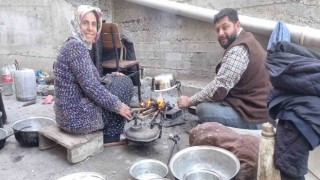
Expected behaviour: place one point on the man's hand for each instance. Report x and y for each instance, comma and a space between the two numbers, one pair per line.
125, 111
184, 101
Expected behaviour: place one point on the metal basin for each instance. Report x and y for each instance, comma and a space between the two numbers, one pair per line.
83, 176
148, 169
201, 174
29, 136
194, 160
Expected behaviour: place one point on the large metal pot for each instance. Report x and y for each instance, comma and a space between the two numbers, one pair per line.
204, 161
3, 137
164, 82
29, 136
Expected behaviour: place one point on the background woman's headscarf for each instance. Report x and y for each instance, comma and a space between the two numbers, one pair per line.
75, 24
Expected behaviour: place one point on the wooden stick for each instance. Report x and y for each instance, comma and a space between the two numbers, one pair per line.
143, 117
148, 111
138, 109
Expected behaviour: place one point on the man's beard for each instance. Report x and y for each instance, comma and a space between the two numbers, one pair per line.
230, 39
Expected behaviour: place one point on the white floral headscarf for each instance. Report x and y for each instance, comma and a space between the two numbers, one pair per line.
75, 24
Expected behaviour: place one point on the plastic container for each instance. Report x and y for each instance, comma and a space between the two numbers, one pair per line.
25, 84
7, 81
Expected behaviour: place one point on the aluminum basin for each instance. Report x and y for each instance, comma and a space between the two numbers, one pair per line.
220, 162
149, 169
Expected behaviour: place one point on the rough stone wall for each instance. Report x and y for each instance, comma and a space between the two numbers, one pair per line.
166, 42
32, 31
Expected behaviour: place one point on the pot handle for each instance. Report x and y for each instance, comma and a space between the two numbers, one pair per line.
152, 84
17, 131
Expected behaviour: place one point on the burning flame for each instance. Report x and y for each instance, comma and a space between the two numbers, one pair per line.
149, 103
160, 101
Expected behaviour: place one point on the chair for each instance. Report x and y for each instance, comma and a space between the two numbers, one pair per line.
110, 36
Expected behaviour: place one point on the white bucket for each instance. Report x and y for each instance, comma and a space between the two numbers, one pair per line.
25, 85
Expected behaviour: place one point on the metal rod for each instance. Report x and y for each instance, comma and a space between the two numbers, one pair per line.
179, 94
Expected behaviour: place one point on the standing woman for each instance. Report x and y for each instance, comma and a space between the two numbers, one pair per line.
83, 104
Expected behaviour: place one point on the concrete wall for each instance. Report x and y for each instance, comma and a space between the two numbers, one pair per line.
188, 48
32, 31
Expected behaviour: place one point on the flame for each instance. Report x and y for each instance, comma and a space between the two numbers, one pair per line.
141, 104
149, 103
160, 101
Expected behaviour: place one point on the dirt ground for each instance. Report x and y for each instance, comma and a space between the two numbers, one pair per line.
18, 163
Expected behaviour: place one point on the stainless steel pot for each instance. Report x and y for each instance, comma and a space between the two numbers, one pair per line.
3, 137
164, 82
149, 169
201, 175
29, 136
191, 162
83, 176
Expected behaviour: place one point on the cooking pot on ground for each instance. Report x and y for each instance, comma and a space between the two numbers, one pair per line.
149, 169
204, 161
3, 137
83, 176
29, 136
164, 82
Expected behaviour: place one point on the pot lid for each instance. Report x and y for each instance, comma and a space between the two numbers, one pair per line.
138, 133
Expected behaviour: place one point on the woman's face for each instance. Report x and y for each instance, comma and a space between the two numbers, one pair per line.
88, 26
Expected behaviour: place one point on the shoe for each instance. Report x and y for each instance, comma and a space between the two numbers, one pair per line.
114, 140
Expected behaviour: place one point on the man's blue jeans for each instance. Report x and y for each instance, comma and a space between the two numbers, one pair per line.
223, 114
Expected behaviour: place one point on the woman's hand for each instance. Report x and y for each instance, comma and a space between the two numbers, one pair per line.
118, 73
184, 101
125, 111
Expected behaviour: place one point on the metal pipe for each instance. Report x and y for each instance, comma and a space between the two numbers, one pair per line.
300, 35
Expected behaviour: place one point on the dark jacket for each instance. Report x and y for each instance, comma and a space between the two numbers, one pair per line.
249, 95
294, 73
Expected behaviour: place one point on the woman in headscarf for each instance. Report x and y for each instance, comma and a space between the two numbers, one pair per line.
83, 104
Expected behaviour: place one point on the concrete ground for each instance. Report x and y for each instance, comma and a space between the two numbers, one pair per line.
19, 163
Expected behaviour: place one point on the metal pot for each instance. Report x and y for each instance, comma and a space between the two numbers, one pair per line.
29, 136
148, 169
83, 176
164, 82
201, 174
197, 159
3, 137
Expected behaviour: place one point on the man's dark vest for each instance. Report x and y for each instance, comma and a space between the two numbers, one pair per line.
249, 95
